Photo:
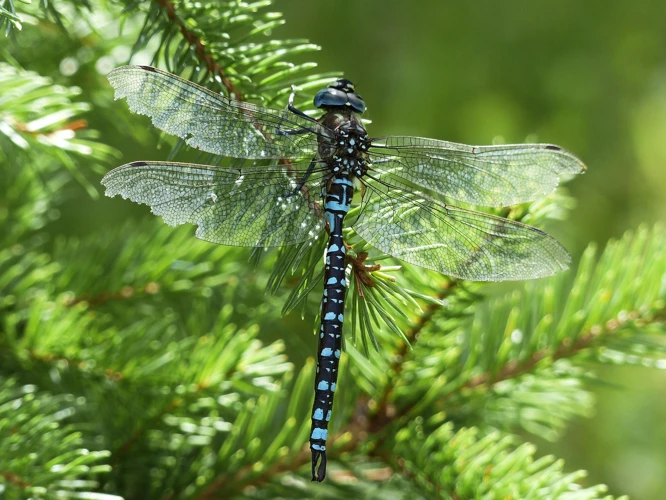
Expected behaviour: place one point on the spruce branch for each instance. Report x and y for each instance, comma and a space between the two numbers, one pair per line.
396, 365
41, 124
198, 391
199, 47
592, 338
42, 455
463, 464
131, 268
9, 17
636, 310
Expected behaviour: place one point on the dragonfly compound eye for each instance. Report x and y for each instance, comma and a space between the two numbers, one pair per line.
339, 94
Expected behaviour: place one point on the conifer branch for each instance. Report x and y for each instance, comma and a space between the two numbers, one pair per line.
566, 349
202, 54
50, 359
42, 453
246, 477
126, 447
382, 413
386, 419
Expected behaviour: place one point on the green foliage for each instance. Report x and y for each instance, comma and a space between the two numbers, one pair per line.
9, 18
462, 464
46, 455
40, 125
153, 349
12, 18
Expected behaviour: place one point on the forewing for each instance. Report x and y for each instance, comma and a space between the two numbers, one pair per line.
453, 241
481, 175
211, 122
250, 207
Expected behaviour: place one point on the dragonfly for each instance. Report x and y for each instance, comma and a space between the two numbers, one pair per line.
300, 185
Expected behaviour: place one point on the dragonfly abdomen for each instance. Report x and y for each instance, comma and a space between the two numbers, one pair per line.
338, 201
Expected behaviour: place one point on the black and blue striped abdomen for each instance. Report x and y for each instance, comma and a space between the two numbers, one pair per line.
338, 201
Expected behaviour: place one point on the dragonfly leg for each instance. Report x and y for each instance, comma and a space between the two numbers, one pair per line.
293, 108
387, 160
297, 131
305, 178
296, 111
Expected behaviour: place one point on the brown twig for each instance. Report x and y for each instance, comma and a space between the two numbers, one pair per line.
244, 478
127, 446
565, 349
81, 364
138, 433
125, 292
240, 478
200, 49
395, 368
15, 480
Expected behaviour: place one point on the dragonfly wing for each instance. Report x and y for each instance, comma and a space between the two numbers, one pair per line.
481, 175
211, 122
251, 207
453, 241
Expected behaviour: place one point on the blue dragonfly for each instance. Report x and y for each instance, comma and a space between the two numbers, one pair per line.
301, 184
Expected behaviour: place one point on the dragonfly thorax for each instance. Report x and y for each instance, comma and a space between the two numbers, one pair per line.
345, 147
348, 165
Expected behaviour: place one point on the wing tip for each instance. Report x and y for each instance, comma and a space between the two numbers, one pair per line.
127, 67
107, 181
115, 73
575, 166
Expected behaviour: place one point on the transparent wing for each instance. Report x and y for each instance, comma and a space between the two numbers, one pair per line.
481, 175
453, 241
250, 207
211, 122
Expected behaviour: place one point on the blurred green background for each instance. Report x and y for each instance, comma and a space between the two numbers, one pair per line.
589, 76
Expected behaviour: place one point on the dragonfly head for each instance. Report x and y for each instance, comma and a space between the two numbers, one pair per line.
339, 94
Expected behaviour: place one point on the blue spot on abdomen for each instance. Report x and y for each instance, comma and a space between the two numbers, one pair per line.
318, 433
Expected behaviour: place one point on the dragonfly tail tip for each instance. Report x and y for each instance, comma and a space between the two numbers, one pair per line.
318, 473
